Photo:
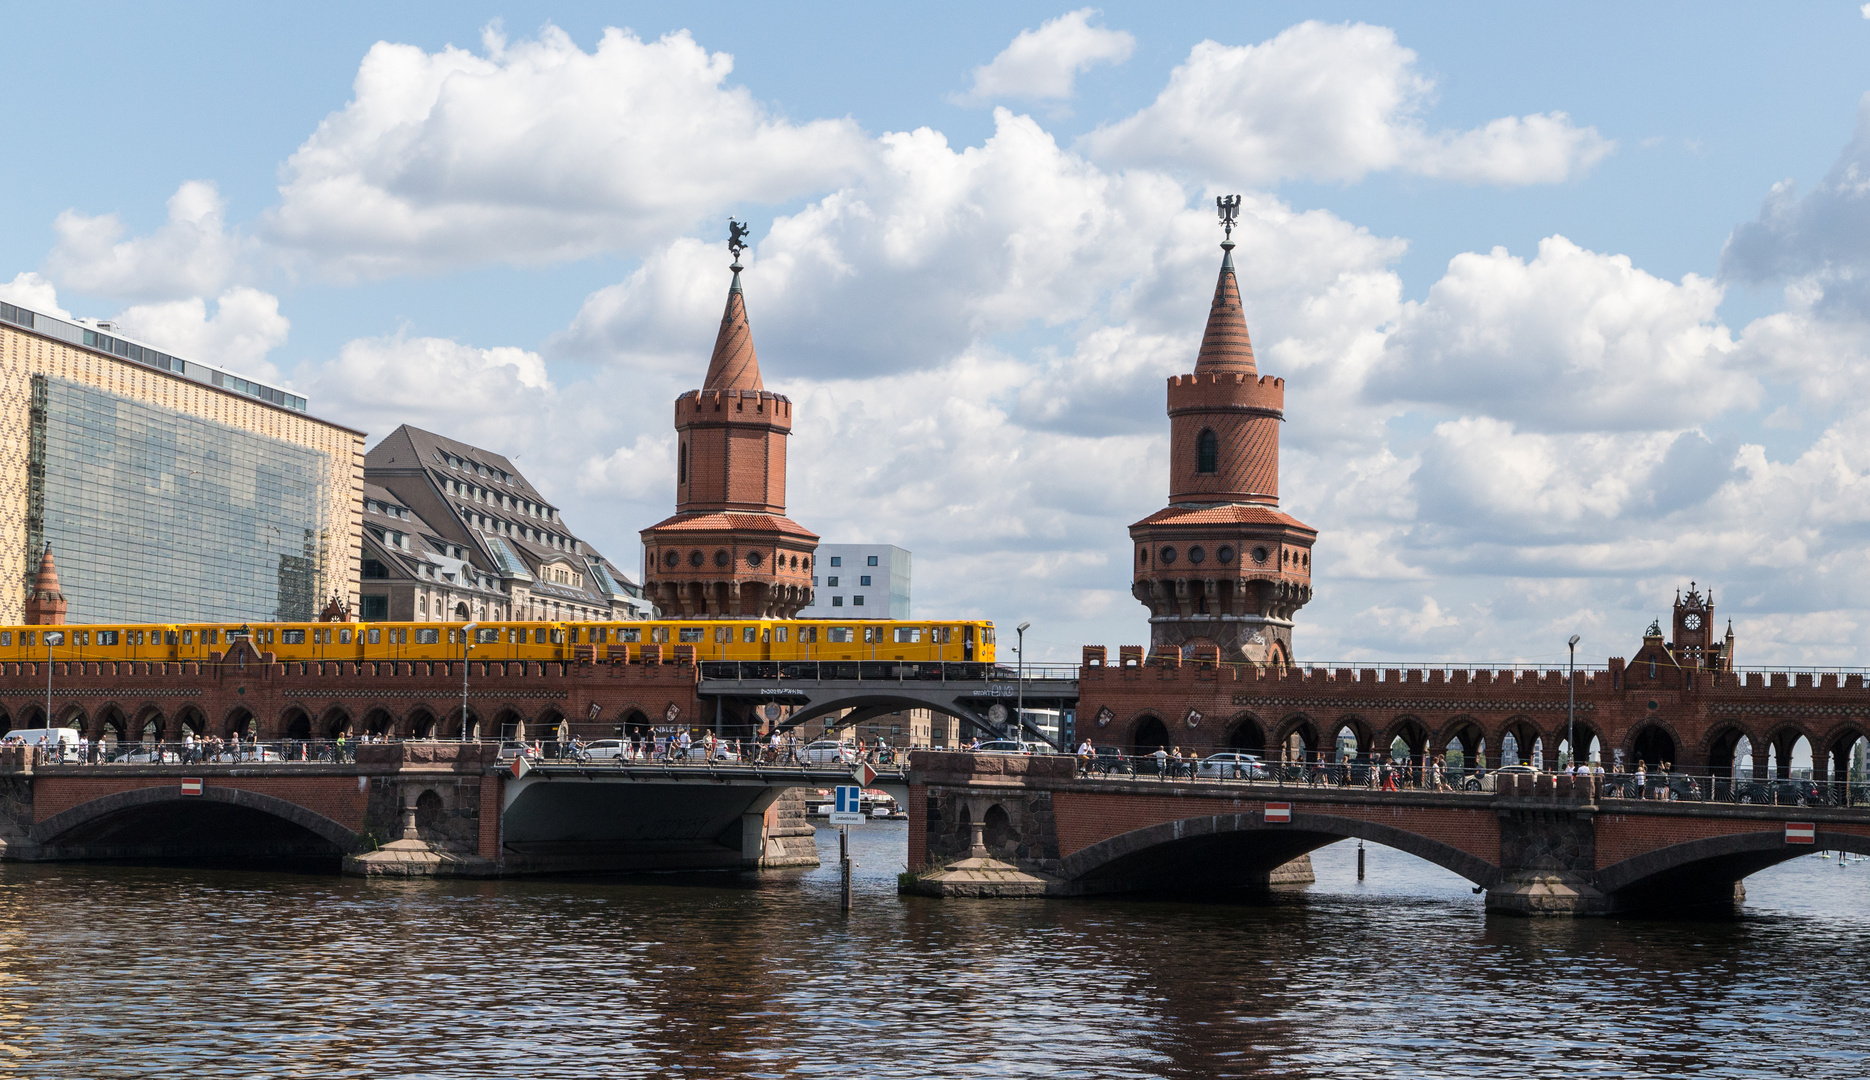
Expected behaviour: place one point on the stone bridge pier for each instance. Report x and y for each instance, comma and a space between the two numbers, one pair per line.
1014, 826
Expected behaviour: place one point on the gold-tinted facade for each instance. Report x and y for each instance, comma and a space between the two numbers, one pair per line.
25, 354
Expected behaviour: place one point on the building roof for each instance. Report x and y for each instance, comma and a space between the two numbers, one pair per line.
730, 522
734, 365
1228, 514
1225, 346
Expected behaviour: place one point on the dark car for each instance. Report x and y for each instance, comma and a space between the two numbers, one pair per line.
1108, 760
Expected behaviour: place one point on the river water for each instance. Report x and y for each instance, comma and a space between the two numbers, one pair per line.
126, 971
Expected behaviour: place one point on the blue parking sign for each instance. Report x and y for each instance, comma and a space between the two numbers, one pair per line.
849, 807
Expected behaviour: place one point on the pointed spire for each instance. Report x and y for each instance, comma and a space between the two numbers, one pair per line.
734, 365
46, 605
1225, 346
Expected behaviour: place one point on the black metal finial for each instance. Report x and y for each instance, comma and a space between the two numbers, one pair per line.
737, 240
1229, 208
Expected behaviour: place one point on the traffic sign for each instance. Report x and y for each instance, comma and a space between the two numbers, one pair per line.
849, 807
191, 785
1801, 832
1278, 813
521, 766
864, 774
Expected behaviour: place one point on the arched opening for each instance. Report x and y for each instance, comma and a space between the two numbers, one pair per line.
421, 723
154, 825
1408, 746
997, 832
378, 723
296, 724
1518, 740
550, 731
1207, 452
112, 727
461, 612
1723, 757
1654, 747
1844, 764
428, 809
1247, 735
1151, 734
239, 722
191, 720
1461, 748
511, 725
1350, 741
464, 729
335, 722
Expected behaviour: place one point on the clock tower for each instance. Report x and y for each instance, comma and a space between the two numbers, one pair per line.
1221, 565
1695, 644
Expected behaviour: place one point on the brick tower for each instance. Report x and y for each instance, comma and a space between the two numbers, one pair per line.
730, 551
1221, 566
45, 604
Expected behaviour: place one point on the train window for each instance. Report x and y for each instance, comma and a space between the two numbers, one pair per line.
909, 635
208, 636
558, 637
599, 635
188, 637
659, 633
516, 637
53, 637
839, 634
344, 637
939, 634
722, 633
781, 634
747, 634
108, 637
630, 633
375, 636
135, 636
25, 637
292, 637
6, 637
873, 634
986, 635
689, 633
538, 636
428, 637
489, 636
766, 636
81, 637
808, 635
266, 636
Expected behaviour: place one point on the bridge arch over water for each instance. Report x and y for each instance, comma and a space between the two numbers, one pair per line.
162, 822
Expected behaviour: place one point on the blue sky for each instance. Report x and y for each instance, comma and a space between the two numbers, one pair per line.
977, 271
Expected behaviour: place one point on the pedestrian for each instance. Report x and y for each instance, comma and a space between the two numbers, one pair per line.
1162, 761
1642, 780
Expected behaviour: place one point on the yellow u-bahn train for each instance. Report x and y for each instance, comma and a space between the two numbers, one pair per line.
727, 639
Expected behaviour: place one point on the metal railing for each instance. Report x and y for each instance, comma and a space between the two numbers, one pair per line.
1674, 786
896, 671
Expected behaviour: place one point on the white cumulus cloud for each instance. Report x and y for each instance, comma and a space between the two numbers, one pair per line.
30, 290
1331, 102
537, 151
244, 327
193, 254
1043, 64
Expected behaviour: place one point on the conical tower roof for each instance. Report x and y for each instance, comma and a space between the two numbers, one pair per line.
45, 582
734, 365
1225, 346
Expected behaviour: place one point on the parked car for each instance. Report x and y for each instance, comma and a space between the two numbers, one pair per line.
606, 749
1490, 782
148, 756
1014, 746
513, 748
829, 752
1232, 765
1109, 759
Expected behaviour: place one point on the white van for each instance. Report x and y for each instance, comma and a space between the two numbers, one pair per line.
50, 738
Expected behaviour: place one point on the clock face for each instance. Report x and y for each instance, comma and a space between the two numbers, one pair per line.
1692, 621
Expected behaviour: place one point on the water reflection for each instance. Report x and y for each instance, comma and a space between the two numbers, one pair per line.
110, 971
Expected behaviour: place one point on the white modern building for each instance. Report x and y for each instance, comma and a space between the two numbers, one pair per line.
859, 581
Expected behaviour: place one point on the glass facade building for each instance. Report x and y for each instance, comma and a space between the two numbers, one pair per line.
163, 516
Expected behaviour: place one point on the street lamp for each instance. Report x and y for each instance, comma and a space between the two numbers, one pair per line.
467, 642
1571, 707
1019, 716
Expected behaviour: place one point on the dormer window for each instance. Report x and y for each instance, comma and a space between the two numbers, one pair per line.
1207, 452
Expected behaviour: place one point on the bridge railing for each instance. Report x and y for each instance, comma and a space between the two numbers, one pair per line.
895, 671
1674, 786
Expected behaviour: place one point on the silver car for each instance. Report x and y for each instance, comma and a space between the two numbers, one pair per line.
1232, 765
829, 752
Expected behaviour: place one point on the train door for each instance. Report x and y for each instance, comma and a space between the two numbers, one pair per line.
967, 643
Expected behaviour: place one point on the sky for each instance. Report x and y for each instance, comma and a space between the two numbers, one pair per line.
1571, 300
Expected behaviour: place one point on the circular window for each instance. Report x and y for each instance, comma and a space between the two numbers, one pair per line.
1652, 705
753, 558
1197, 555
695, 558
1225, 553
671, 558
1166, 556
1259, 554
721, 558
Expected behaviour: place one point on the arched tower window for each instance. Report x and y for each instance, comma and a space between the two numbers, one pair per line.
1207, 452
681, 464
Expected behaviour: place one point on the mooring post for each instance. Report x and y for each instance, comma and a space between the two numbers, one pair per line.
844, 861
1360, 860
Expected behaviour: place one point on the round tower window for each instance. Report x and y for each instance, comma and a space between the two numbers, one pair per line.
670, 558
1259, 554
1225, 553
1166, 557
721, 558
1197, 555
753, 558
695, 558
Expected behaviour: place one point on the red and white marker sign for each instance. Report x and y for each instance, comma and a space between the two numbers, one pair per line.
191, 785
1801, 832
1278, 813
864, 774
520, 767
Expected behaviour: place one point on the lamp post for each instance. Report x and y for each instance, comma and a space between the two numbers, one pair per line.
1571, 706
467, 642
1019, 715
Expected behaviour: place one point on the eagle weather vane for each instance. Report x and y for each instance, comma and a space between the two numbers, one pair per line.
1229, 208
737, 239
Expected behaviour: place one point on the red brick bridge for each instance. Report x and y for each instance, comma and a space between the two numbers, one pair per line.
989, 824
